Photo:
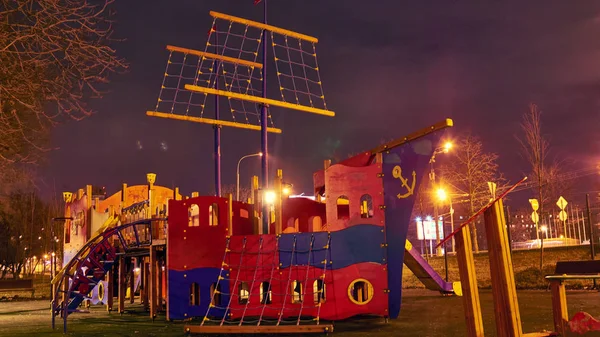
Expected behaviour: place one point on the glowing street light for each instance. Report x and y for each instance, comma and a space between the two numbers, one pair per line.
447, 146
441, 194
269, 197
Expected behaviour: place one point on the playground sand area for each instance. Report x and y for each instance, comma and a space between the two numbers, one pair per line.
424, 313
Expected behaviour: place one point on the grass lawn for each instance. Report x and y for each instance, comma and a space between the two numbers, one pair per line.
424, 313
526, 266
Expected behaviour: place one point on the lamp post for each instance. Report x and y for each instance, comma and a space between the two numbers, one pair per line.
443, 196
444, 149
237, 188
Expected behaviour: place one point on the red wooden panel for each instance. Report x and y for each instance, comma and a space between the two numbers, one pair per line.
353, 183
303, 209
199, 246
338, 304
361, 159
242, 218
253, 264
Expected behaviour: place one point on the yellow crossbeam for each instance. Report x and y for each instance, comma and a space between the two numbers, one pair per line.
214, 56
263, 26
209, 121
256, 99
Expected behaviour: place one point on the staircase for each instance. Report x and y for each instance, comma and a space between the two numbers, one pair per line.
91, 263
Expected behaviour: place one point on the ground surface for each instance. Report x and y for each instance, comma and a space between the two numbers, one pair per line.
424, 313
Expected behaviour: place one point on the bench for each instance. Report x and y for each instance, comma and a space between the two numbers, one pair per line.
25, 285
568, 270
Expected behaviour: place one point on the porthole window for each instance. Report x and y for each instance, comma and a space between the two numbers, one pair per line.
360, 291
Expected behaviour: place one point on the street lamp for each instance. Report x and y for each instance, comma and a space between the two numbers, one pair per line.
237, 189
270, 197
444, 149
442, 196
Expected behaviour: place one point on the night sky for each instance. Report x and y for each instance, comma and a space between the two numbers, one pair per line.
388, 69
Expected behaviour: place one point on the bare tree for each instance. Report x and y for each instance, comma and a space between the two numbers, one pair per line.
245, 192
468, 170
534, 148
55, 56
550, 178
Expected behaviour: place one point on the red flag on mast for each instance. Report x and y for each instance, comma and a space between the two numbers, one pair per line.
256, 2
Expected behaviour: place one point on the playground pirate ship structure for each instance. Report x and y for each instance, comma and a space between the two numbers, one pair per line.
208, 257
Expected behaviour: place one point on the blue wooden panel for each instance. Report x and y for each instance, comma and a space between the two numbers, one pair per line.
179, 293
404, 168
352, 245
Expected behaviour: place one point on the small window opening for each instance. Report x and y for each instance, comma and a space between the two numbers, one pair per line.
194, 294
265, 293
215, 293
243, 293
319, 291
193, 215
366, 206
296, 291
213, 215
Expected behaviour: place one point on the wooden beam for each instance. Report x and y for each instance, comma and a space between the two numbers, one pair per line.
122, 284
209, 121
418, 134
160, 263
132, 281
110, 283
229, 214
264, 26
468, 281
152, 284
504, 291
256, 99
258, 329
560, 312
215, 56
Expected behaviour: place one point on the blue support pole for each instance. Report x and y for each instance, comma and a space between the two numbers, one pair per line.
264, 125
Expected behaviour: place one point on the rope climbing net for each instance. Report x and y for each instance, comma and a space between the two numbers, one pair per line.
298, 70
228, 67
271, 284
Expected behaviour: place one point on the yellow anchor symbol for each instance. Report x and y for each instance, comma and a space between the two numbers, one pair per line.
397, 173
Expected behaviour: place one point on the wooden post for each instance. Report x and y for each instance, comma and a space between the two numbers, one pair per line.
160, 272
151, 178
110, 286
152, 284
88, 195
146, 277
468, 281
559, 306
506, 306
143, 281
256, 205
123, 195
132, 281
279, 202
122, 284
229, 214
